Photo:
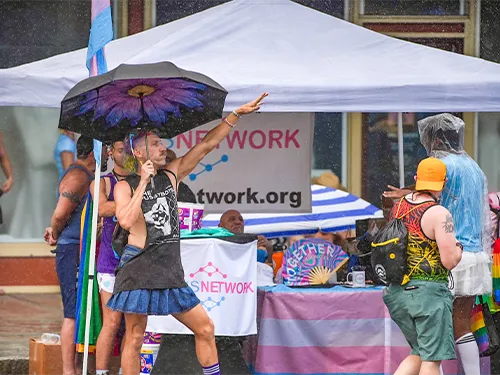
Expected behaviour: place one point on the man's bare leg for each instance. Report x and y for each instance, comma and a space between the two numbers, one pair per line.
198, 321
135, 325
466, 344
106, 339
430, 368
68, 348
409, 366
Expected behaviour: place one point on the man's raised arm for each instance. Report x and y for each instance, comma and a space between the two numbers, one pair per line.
184, 165
128, 208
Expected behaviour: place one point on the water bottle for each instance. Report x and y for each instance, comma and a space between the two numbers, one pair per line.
50, 338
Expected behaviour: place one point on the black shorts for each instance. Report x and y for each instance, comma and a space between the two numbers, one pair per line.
67, 267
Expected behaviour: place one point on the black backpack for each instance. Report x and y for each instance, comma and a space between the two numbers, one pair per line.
389, 251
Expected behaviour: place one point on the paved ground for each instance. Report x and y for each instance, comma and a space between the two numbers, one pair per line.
24, 316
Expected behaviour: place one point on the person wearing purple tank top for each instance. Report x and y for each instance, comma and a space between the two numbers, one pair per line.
106, 260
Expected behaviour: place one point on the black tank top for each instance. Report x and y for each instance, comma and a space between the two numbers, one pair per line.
158, 265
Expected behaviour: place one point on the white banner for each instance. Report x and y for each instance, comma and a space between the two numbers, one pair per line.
223, 275
263, 165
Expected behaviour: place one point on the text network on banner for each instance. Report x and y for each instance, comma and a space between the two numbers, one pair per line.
263, 165
223, 276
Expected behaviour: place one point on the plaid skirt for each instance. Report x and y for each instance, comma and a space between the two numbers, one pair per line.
151, 301
154, 302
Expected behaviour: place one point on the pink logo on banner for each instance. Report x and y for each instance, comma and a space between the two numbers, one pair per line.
210, 270
220, 289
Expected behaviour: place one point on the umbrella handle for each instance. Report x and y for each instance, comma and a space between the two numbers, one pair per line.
141, 96
147, 155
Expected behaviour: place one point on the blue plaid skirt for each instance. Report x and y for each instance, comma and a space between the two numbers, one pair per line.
151, 301
154, 302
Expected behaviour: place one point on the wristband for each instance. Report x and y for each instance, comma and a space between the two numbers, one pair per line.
227, 122
234, 113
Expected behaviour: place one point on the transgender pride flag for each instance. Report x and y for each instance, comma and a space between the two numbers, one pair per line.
101, 33
88, 314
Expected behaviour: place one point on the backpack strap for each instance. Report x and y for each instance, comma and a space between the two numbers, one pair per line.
409, 211
175, 176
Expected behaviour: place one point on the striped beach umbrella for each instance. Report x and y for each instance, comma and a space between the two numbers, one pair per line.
332, 211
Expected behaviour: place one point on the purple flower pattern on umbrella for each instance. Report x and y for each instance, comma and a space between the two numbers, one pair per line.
121, 100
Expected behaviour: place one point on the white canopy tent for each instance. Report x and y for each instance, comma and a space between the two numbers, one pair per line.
307, 60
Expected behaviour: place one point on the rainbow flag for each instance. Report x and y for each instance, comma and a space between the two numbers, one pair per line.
82, 290
483, 327
478, 327
495, 273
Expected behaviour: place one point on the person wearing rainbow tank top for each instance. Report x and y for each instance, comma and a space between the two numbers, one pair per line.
466, 197
422, 307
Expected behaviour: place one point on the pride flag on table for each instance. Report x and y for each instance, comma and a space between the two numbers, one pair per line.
101, 33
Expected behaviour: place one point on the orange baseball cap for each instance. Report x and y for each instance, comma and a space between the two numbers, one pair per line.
431, 175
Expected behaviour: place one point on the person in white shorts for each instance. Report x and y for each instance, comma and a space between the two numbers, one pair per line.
107, 261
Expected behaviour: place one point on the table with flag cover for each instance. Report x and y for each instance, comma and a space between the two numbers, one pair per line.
335, 330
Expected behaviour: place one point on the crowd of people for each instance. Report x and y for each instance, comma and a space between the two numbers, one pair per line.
148, 277
446, 214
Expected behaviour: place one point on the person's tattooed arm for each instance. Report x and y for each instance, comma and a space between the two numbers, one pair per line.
72, 190
448, 224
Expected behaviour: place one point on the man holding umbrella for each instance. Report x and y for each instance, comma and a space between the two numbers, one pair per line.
150, 277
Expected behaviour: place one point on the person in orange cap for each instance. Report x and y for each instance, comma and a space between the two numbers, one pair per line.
422, 307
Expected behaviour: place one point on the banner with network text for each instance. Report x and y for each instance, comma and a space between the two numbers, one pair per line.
263, 165
223, 275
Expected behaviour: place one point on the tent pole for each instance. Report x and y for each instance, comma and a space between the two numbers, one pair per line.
345, 135
93, 240
401, 151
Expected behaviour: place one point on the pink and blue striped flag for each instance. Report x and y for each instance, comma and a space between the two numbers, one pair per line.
101, 33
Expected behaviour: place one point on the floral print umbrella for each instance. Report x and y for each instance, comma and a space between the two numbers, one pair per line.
157, 96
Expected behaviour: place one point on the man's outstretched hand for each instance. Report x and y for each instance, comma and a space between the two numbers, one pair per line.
252, 106
395, 193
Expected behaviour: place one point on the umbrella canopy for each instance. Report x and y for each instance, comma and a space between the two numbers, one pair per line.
332, 211
157, 96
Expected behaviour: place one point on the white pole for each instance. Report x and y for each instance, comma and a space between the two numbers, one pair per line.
95, 209
401, 151
345, 135
153, 13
